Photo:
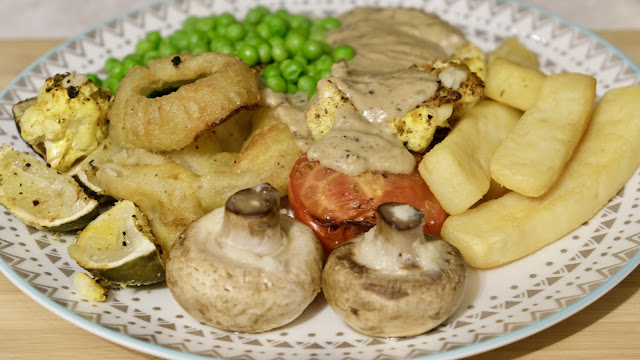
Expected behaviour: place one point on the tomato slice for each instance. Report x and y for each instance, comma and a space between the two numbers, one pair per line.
338, 207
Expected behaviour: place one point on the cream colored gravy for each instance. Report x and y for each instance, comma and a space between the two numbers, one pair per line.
362, 137
379, 84
395, 38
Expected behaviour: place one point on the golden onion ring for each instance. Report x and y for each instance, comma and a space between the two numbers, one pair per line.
211, 87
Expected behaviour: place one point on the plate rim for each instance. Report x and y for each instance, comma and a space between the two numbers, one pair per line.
469, 350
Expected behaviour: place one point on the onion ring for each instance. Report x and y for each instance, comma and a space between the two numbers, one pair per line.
211, 87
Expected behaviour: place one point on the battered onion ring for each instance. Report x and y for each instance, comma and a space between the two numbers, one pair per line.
211, 88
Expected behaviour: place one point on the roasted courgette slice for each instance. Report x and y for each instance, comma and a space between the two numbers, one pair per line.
82, 171
40, 196
18, 110
118, 247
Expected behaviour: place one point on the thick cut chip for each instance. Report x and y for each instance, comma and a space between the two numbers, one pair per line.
40, 196
513, 50
534, 155
512, 84
457, 169
513, 226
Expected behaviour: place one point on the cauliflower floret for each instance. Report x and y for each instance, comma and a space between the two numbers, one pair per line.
417, 128
472, 56
69, 119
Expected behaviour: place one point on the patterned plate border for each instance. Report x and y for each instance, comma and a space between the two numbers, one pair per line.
586, 241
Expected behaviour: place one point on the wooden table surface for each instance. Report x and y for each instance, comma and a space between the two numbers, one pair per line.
608, 328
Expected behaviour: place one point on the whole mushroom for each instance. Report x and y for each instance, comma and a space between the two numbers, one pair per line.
394, 281
246, 267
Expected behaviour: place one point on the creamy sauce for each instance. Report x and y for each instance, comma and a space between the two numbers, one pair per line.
379, 84
383, 96
362, 137
349, 146
290, 109
394, 38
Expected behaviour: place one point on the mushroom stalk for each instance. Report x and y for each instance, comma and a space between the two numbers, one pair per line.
394, 238
252, 220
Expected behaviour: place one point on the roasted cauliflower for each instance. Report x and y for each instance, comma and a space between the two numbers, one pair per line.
458, 89
69, 119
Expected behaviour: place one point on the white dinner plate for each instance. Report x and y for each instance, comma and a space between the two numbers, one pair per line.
501, 305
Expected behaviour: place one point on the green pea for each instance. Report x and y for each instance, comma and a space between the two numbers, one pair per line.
318, 35
196, 37
206, 23
111, 83
131, 57
330, 23
312, 49
256, 14
190, 23
219, 41
291, 70
292, 88
225, 49
273, 40
128, 64
277, 24
324, 62
304, 32
276, 83
283, 12
300, 58
180, 38
248, 54
271, 70
284, 63
343, 52
294, 42
154, 37
95, 79
306, 83
166, 48
225, 19
316, 24
199, 47
311, 92
119, 75
263, 30
264, 50
153, 54
324, 73
200, 50
238, 44
112, 66
235, 32
251, 31
255, 40
221, 30
279, 52
299, 21
326, 48
311, 69
212, 34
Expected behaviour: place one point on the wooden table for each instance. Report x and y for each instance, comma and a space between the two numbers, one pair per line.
609, 328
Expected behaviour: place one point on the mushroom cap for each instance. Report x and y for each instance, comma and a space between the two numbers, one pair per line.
407, 302
236, 290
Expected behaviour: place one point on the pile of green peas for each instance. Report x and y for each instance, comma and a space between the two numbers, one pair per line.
290, 49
